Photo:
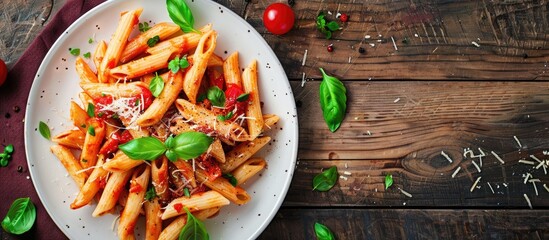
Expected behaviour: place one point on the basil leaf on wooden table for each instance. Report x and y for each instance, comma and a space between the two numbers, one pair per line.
388, 181
20, 216
325, 180
194, 229
333, 100
181, 15
145, 148
323, 233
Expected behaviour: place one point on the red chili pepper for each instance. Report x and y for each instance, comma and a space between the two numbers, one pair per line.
178, 207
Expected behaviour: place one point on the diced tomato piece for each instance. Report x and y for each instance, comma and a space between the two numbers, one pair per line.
178, 207
212, 168
125, 137
232, 93
216, 79
111, 145
135, 187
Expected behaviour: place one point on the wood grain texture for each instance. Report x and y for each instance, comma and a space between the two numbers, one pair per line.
512, 38
297, 224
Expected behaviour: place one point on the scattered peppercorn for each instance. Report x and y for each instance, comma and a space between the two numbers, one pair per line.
16, 109
344, 17
291, 3
405, 40
361, 50
8, 115
19, 169
330, 48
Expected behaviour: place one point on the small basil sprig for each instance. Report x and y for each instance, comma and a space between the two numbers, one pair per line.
44, 130
186, 146
181, 15
144, 26
152, 41
91, 110
150, 194
323, 233
388, 181
20, 216
324, 26
231, 179
333, 100
6, 155
156, 86
178, 63
193, 229
325, 180
216, 96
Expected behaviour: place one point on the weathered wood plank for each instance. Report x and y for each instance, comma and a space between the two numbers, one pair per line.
296, 224
512, 38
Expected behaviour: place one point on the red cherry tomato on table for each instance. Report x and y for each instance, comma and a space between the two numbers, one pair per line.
3, 72
278, 18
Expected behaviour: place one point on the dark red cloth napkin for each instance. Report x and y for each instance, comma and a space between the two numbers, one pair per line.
15, 178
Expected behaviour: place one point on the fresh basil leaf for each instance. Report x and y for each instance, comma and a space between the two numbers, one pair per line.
145, 148
189, 145
143, 27
332, 26
325, 180
173, 65
181, 15
90, 40
224, 118
75, 51
87, 55
231, 179
201, 97
169, 142
153, 41
323, 233
184, 62
9, 149
171, 155
3, 161
194, 229
91, 130
243, 97
186, 192
333, 100
320, 21
156, 86
216, 96
388, 181
91, 110
20, 217
150, 194
44, 130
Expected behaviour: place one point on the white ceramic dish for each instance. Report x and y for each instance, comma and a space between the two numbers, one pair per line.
56, 84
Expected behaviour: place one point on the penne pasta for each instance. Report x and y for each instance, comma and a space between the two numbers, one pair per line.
231, 70
243, 152
254, 117
248, 169
160, 105
97, 179
181, 44
113, 188
193, 76
84, 71
142, 66
117, 44
159, 176
92, 143
97, 90
78, 116
99, 54
70, 163
196, 202
269, 120
72, 139
224, 187
138, 187
139, 44
153, 224
121, 163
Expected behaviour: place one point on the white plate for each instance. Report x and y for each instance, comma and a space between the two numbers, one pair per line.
56, 84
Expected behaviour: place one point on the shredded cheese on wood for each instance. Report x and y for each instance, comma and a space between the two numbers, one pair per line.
456, 172
528, 201
475, 184
497, 157
526, 162
490, 185
518, 142
546, 188
446, 156
528, 176
476, 166
533, 181
407, 194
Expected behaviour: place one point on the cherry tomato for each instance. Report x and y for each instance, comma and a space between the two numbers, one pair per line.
3, 72
232, 93
278, 18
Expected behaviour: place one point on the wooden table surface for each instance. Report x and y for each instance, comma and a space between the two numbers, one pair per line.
460, 75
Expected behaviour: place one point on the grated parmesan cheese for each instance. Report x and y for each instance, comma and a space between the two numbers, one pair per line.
476, 166
526, 162
343, 177
528, 201
367, 37
456, 172
394, 43
497, 157
446, 156
303, 80
528, 176
489, 185
347, 173
396, 100
518, 142
407, 194
533, 181
304, 58
475, 184
475, 44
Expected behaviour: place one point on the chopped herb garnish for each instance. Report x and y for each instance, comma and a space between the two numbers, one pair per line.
87, 55
144, 26
90, 40
186, 192
324, 26
150, 194
44, 130
178, 63
91, 110
243, 97
91, 130
75, 51
224, 118
231, 179
152, 41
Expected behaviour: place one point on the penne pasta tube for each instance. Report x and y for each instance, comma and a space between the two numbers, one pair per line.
160, 105
205, 117
121, 163
117, 44
269, 120
84, 71
187, 171
99, 54
78, 116
139, 44
141, 66
243, 152
193, 76
181, 44
85, 99
172, 231
153, 221
195, 202
248, 169
92, 143
138, 188
231, 70
254, 117
216, 150
159, 176
70, 163
96, 90
97, 179
72, 139
224, 187
113, 188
